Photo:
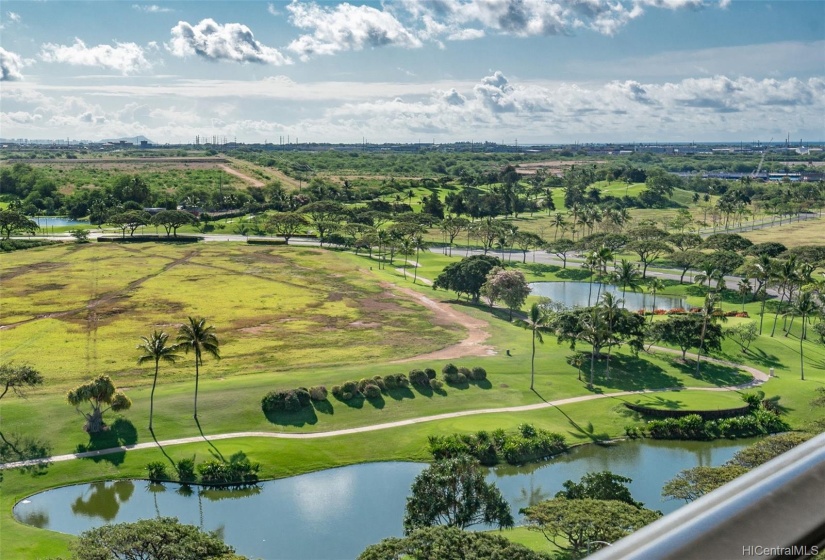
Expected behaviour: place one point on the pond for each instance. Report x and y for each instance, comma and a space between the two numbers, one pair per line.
336, 513
56, 221
577, 293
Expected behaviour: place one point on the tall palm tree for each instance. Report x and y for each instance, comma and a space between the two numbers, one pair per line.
803, 279
538, 321
708, 273
591, 264
805, 306
762, 271
199, 338
786, 276
745, 288
155, 349
709, 315
418, 243
626, 274
610, 310
655, 285
558, 221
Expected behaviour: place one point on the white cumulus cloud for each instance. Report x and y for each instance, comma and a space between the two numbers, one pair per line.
213, 41
346, 27
126, 58
10, 66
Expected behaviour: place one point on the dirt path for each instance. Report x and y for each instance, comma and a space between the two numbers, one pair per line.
760, 377
251, 180
472, 345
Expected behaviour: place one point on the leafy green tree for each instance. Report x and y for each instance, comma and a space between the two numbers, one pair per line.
286, 224
325, 215
12, 221
452, 226
171, 220
18, 378
577, 526
509, 286
648, 250
727, 242
98, 393
743, 334
538, 322
453, 492
442, 543
154, 348
603, 485
199, 338
694, 483
129, 220
560, 248
685, 260
163, 538
685, 331
466, 276
767, 448
487, 231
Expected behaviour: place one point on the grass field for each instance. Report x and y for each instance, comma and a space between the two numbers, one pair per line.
288, 317
808, 232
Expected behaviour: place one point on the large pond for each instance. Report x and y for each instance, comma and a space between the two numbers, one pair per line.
579, 293
56, 221
335, 514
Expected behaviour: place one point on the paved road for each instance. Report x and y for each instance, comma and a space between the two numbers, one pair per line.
759, 377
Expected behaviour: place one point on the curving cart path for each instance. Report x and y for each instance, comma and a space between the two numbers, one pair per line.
759, 377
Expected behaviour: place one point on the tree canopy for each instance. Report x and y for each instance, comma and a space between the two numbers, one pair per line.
466, 276
508, 286
12, 221
453, 492
685, 331
98, 393
441, 543
171, 220
163, 538
18, 378
602, 485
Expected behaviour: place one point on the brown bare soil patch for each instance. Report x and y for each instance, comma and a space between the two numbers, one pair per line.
251, 180
37, 267
477, 333
555, 167
363, 325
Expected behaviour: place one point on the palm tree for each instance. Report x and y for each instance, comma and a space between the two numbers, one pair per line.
744, 288
655, 285
558, 221
626, 274
418, 243
609, 309
591, 264
786, 276
709, 273
708, 315
199, 338
805, 306
537, 321
762, 272
155, 349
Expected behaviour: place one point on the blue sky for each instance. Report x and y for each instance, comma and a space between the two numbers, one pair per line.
536, 71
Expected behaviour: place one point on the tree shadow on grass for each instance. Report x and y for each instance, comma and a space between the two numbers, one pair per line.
354, 402
460, 386
400, 393
657, 401
215, 451
576, 274
377, 402
121, 432
757, 355
162, 450
24, 448
324, 407
580, 432
716, 374
424, 390
629, 373
306, 415
540, 269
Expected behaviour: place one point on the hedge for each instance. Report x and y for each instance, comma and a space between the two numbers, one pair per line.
265, 241
704, 414
150, 239
528, 444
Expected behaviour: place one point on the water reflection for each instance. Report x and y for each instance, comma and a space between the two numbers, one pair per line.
336, 513
578, 293
103, 499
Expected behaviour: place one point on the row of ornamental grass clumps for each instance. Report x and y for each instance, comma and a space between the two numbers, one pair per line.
693, 427
704, 414
490, 448
237, 471
292, 400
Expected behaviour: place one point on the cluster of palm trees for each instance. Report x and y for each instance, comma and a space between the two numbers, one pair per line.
195, 336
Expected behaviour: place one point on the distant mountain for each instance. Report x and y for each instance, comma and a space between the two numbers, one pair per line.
132, 139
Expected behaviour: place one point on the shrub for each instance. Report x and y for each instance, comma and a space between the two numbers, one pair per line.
401, 380
371, 391
303, 396
347, 396
157, 471
291, 402
465, 371
390, 382
449, 369
418, 377
455, 378
274, 400
186, 470
350, 387
318, 393
436, 384
478, 373
430, 373
336, 390
238, 470
378, 380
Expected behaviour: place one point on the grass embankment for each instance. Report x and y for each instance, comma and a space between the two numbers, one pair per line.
322, 294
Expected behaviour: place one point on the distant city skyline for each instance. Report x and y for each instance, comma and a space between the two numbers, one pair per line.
532, 71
